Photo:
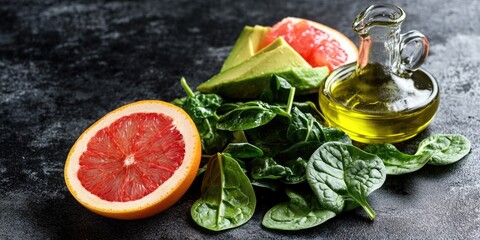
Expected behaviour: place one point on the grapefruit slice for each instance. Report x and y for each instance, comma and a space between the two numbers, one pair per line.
134, 162
318, 44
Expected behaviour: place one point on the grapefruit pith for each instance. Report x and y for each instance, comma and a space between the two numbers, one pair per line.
134, 162
318, 44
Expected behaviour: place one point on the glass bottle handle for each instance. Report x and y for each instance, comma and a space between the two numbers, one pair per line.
414, 49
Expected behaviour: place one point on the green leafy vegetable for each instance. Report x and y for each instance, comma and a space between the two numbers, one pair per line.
179, 101
197, 105
281, 144
267, 168
239, 137
271, 138
243, 150
226, 107
396, 162
302, 149
292, 172
333, 134
202, 109
249, 115
304, 127
201, 106
440, 149
445, 148
296, 170
338, 173
272, 185
227, 196
301, 212
277, 91
308, 107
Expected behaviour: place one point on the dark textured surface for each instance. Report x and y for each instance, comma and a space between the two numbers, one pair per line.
65, 64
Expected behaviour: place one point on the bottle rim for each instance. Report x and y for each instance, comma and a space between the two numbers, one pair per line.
378, 15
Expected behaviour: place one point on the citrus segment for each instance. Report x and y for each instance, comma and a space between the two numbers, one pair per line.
134, 162
318, 44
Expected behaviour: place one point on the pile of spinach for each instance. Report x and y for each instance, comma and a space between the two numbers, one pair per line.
279, 144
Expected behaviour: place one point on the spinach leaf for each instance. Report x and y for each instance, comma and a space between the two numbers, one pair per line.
213, 140
396, 162
267, 168
243, 150
270, 137
304, 127
249, 115
277, 91
227, 196
301, 212
335, 135
202, 109
202, 170
198, 105
446, 148
201, 106
338, 172
295, 159
296, 170
293, 172
273, 185
179, 101
226, 107
308, 107
239, 137
302, 149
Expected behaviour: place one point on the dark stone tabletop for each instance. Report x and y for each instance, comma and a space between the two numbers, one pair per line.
64, 64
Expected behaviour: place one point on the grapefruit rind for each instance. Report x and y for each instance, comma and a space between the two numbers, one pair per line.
167, 193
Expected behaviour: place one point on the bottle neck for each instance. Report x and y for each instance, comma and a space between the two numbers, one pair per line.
379, 49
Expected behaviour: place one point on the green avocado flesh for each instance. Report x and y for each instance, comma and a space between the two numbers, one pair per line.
249, 78
247, 44
306, 80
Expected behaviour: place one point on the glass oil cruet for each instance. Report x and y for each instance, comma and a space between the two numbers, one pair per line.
385, 97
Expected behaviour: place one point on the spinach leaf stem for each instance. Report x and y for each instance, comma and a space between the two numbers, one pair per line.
185, 87
291, 95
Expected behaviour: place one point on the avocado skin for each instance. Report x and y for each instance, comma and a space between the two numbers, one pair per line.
305, 80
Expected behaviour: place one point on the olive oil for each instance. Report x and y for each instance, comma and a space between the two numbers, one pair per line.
385, 97
391, 112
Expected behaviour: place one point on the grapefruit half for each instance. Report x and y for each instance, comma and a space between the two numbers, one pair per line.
134, 162
318, 44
